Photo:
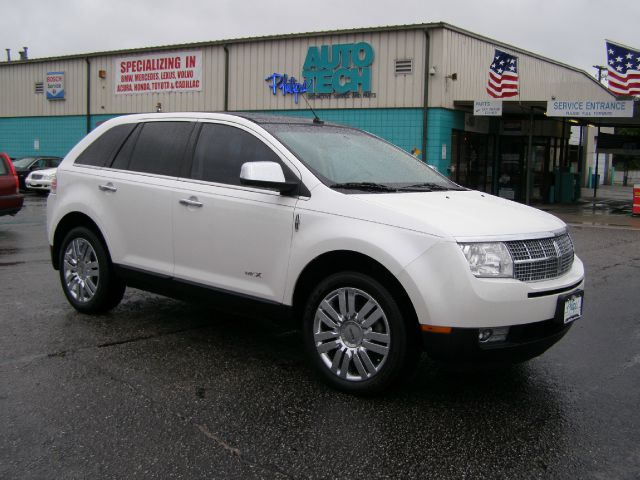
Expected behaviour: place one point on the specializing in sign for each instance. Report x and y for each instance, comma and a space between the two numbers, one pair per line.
55, 85
487, 108
590, 108
342, 70
162, 72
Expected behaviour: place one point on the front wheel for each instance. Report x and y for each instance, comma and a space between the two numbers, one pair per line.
86, 273
355, 334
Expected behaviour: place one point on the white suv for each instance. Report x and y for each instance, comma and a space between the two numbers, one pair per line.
378, 255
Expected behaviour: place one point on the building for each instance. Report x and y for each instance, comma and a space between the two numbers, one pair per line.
413, 85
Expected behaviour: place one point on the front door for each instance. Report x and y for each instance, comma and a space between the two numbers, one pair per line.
226, 235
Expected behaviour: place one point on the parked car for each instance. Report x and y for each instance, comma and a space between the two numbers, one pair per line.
40, 180
378, 255
26, 165
10, 198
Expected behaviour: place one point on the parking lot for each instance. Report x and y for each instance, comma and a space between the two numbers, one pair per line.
164, 389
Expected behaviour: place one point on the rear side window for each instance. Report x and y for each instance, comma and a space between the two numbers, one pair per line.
221, 151
3, 168
160, 147
102, 150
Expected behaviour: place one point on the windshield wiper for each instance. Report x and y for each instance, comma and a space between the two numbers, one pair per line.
428, 187
366, 186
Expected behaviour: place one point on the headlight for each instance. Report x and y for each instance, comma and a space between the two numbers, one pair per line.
488, 259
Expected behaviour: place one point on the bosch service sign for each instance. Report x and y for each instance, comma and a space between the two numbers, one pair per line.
55, 85
163, 72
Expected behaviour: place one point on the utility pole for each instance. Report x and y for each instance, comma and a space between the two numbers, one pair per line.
600, 68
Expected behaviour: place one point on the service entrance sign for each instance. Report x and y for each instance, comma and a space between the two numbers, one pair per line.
590, 108
487, 108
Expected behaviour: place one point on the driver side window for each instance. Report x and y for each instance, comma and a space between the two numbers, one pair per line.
221, 151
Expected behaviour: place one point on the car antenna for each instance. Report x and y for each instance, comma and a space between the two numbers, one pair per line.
316, 118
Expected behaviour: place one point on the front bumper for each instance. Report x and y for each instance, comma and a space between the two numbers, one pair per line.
522, 343
444, 293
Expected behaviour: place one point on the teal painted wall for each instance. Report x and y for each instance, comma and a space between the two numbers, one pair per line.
400, 126
57, 135
440, 122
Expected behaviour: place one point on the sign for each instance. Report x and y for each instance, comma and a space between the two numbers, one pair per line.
343, 69
487, 108
161, 72
587, 108
288, 85
55, 85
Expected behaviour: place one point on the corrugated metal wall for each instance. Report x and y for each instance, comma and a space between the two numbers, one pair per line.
17, 89
251, 63
454, 52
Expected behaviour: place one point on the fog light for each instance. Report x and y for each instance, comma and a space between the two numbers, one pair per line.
492, 335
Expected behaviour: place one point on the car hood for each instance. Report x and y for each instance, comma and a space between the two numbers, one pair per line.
464, 214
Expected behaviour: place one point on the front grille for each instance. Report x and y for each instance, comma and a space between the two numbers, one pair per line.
36, 176
541, 259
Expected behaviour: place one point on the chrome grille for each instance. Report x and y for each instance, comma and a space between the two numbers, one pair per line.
541, 259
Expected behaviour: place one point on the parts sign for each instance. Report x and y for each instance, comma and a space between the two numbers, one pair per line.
164, 72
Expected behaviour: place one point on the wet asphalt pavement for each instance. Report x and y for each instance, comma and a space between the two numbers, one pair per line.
163, 389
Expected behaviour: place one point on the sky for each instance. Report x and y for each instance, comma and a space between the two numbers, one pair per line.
569, 31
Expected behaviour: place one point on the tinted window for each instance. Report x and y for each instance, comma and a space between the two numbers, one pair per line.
160, 147
221, 151
3, 168
102, 150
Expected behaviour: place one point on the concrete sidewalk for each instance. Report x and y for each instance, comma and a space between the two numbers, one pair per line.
610, 208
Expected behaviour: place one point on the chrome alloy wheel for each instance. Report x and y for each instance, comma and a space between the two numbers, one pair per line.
81, 270
351, 334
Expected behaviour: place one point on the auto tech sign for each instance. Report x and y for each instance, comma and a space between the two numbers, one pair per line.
165, 72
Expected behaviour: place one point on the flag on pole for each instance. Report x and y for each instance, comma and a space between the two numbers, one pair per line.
503, 75
624, 69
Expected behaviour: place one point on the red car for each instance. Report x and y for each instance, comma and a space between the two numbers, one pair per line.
10, 198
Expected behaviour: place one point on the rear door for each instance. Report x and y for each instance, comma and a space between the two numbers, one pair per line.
7, 180
135, 195
227, 235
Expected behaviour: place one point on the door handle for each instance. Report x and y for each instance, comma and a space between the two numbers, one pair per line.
191, 202
108, 187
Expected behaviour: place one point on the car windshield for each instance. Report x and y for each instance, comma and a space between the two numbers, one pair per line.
350, 159
23, 162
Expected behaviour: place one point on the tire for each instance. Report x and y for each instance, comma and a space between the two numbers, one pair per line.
86, 273
355, 334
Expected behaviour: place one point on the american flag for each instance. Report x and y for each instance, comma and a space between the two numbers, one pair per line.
624, 69
503, 75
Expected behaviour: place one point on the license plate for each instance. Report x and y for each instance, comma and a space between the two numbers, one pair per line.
569, 307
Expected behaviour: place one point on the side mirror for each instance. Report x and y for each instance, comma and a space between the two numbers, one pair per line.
267, 175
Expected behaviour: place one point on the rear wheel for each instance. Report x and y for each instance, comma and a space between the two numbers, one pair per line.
86, 273
355, 334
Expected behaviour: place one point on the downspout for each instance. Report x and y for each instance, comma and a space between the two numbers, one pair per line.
88, 94
425, 102
226, 78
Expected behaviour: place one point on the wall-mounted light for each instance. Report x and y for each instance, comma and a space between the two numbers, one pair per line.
453, 76
102, 74
432, 71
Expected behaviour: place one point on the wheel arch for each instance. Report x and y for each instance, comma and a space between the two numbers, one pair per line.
347, 260
65, 225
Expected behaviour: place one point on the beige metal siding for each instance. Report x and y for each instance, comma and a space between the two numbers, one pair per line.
251, 63
469, 57
17, 89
